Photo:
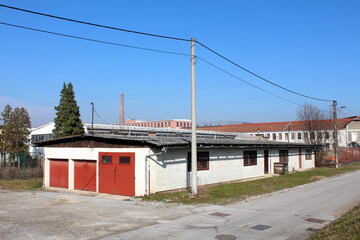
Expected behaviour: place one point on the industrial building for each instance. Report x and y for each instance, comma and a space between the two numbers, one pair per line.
142, 165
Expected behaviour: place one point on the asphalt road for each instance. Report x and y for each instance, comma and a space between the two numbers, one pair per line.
292, 214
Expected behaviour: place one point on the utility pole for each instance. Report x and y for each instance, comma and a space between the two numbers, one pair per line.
92, 118
194, 183
335, 134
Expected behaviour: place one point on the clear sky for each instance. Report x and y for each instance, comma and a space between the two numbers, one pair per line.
309, 46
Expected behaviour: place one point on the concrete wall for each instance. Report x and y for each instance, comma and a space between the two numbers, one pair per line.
169, 171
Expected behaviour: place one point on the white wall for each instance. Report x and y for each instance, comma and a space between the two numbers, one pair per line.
169, 171
224, 165
293, 159
93, 154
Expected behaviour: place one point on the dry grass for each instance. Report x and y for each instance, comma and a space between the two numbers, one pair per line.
17, 173
347, 227
17, 185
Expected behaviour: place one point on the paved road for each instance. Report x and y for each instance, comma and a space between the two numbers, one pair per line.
290, 214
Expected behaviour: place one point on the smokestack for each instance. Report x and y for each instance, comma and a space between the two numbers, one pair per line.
122, 110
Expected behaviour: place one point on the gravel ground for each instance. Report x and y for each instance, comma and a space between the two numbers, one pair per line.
62, 215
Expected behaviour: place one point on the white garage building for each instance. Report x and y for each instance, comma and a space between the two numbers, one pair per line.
137, 166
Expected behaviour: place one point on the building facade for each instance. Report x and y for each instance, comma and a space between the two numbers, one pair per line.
137, 166
175, 123
296, 131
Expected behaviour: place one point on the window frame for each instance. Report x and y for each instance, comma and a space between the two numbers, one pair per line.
107, 157
299, 136
308, 154
202, 157
282, 156
250, 158
127, 162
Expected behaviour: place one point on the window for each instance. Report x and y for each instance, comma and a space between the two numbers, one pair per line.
292, 136
250, 158
299, 136
106, 159
274, 136
284, 155
319, 136
124, 160
41, 137
308, 154
327, 135
286, 136
202, 161
312, 135
280, 136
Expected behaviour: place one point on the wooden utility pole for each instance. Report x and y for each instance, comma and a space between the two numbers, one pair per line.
335, 134
194, 183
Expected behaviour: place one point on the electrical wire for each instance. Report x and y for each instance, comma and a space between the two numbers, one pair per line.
147, 49
166, 37
348, 109
93, 40
100, 117
232, 75
258, 76
94, 24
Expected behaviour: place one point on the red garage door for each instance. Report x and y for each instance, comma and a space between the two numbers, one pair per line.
117, 173
85, 175
59, 171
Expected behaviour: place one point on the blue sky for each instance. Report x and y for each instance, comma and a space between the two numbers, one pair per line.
311, 47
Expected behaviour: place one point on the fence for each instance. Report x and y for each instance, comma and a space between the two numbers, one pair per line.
20, 166
347, 155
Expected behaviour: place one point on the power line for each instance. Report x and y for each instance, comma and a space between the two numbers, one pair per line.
232, 75
100, 117
147, 49
166, 37
93, 40
94, 24
348, 109
258, 76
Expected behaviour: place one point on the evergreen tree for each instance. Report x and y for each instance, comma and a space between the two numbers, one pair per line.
67, 121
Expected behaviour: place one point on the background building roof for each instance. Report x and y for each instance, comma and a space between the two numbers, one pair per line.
278, 126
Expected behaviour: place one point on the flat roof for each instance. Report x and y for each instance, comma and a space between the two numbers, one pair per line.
155, 141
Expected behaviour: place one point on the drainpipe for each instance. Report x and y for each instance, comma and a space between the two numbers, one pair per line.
147, 169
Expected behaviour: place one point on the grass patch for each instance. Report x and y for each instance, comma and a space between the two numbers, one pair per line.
232, 192
17, 185
347, 227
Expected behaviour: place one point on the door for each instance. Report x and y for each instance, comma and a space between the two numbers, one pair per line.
59, 173
85, 175
117, 173
266, 161
283, 154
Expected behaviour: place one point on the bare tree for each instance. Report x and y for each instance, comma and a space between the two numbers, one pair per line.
313, 125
